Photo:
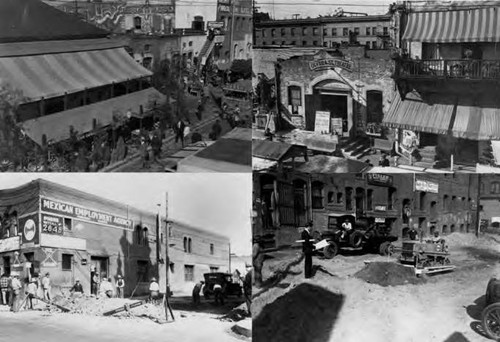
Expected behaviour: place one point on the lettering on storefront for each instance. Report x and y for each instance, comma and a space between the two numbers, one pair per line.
84, 214
379, 179
328, 63
427, 186
380, 208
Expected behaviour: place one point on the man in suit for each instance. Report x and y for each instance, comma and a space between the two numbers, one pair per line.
179, 131
307, 249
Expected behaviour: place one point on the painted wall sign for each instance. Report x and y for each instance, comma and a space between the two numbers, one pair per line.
52, 224
322, 122
328, 63
379, 179
84, 214
427, 186
29, 229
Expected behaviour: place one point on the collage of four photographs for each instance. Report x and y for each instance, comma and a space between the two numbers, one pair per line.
249, 170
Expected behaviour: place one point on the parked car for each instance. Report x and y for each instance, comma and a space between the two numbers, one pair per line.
229, 287
491, 313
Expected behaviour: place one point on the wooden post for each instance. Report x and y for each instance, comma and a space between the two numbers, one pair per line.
166, 301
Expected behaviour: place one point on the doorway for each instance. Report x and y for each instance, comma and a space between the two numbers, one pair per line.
337, 106
98, 266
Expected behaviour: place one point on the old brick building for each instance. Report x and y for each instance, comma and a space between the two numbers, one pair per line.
490, 200
371, 31
71, 234
284, 202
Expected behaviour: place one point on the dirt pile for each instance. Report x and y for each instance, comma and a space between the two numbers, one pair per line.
388, 274
94, 306
470, 240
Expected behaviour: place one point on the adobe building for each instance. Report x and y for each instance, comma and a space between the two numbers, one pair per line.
47, 227
285, 201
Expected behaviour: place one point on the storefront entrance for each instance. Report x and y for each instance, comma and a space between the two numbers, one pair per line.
99, 266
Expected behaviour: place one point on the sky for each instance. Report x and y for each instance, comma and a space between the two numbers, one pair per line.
216, 202
284, 9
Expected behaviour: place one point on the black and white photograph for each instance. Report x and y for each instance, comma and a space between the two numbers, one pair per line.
123, 86
410, 86
86, 257
376, 257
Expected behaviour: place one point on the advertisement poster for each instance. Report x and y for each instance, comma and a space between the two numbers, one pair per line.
322, 123
29, 229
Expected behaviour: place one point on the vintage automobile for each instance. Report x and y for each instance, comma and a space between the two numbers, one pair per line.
491, 313
425, 253
366, 236
229, 287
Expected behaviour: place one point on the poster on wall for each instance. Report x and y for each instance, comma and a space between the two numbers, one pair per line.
29, 229
52, 224
337, 126
322, 122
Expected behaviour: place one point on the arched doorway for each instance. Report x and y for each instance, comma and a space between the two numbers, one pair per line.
334, 97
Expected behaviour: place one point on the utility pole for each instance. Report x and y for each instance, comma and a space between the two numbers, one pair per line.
478, 216
166, 301
231, 34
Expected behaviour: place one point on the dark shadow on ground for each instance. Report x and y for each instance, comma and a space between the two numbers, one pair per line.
475, 312
456, 337
277, 277
206, 305
483, 254
306, 313
319, 268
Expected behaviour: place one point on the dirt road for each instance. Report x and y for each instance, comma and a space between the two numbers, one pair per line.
337, 306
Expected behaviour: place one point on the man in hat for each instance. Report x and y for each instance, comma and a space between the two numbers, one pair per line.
16, 291
346, 228
106, 288
257, 260
196, 292
218, 294
247, 288
31, 290
120, 286
307, 249
77, 289
154, 291
46, 286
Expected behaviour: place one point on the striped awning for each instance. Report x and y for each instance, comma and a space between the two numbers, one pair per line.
415, 114
477, 123
477, 25
56, 126
52, 75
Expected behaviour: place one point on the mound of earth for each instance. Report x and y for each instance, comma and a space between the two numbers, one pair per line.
388, 274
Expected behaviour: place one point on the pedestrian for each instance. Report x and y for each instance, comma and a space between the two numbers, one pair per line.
16, 287
179, 131
144, 153
4, 288
77, 289
436, 238
95, 283
31, 291
187, 131
46, 286
217, 129
120, 286
413, 234
384, 162
247, 289
196, 292
346, 228
154, 291
219, 297
156, 145
257, 260
199, 110
106, 288
307, 249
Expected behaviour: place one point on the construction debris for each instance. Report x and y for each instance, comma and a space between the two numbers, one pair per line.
388, 274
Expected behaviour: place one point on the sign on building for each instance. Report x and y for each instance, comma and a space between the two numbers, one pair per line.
224, 6
52, 224
29, 229
427, 186
380, 208
217, 26
328, 63
379, 179
322, 122
84, 214
379, 220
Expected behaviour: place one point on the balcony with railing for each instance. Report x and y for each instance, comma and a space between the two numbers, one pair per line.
464, 69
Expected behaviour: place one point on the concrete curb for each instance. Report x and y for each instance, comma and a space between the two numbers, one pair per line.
167, 141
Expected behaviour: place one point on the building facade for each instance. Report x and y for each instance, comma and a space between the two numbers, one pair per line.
47, 227
372, 31
284, 202
490, 200
446, 72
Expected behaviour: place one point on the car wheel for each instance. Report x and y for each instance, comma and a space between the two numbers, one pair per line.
386, 248
491, 321
330, 251
356, 239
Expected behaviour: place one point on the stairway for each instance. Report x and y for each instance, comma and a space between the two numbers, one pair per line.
354, 148
428, 154
206, 50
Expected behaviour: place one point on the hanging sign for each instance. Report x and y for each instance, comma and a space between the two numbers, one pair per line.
322, 122
30, 232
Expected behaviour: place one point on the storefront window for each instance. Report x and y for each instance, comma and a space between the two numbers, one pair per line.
317, 195
137, 23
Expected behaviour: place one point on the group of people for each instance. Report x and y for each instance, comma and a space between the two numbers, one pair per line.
15, 292
103, 286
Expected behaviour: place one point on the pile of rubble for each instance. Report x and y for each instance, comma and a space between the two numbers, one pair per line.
388, 274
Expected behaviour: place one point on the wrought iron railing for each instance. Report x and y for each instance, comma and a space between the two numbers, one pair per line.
449, 68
